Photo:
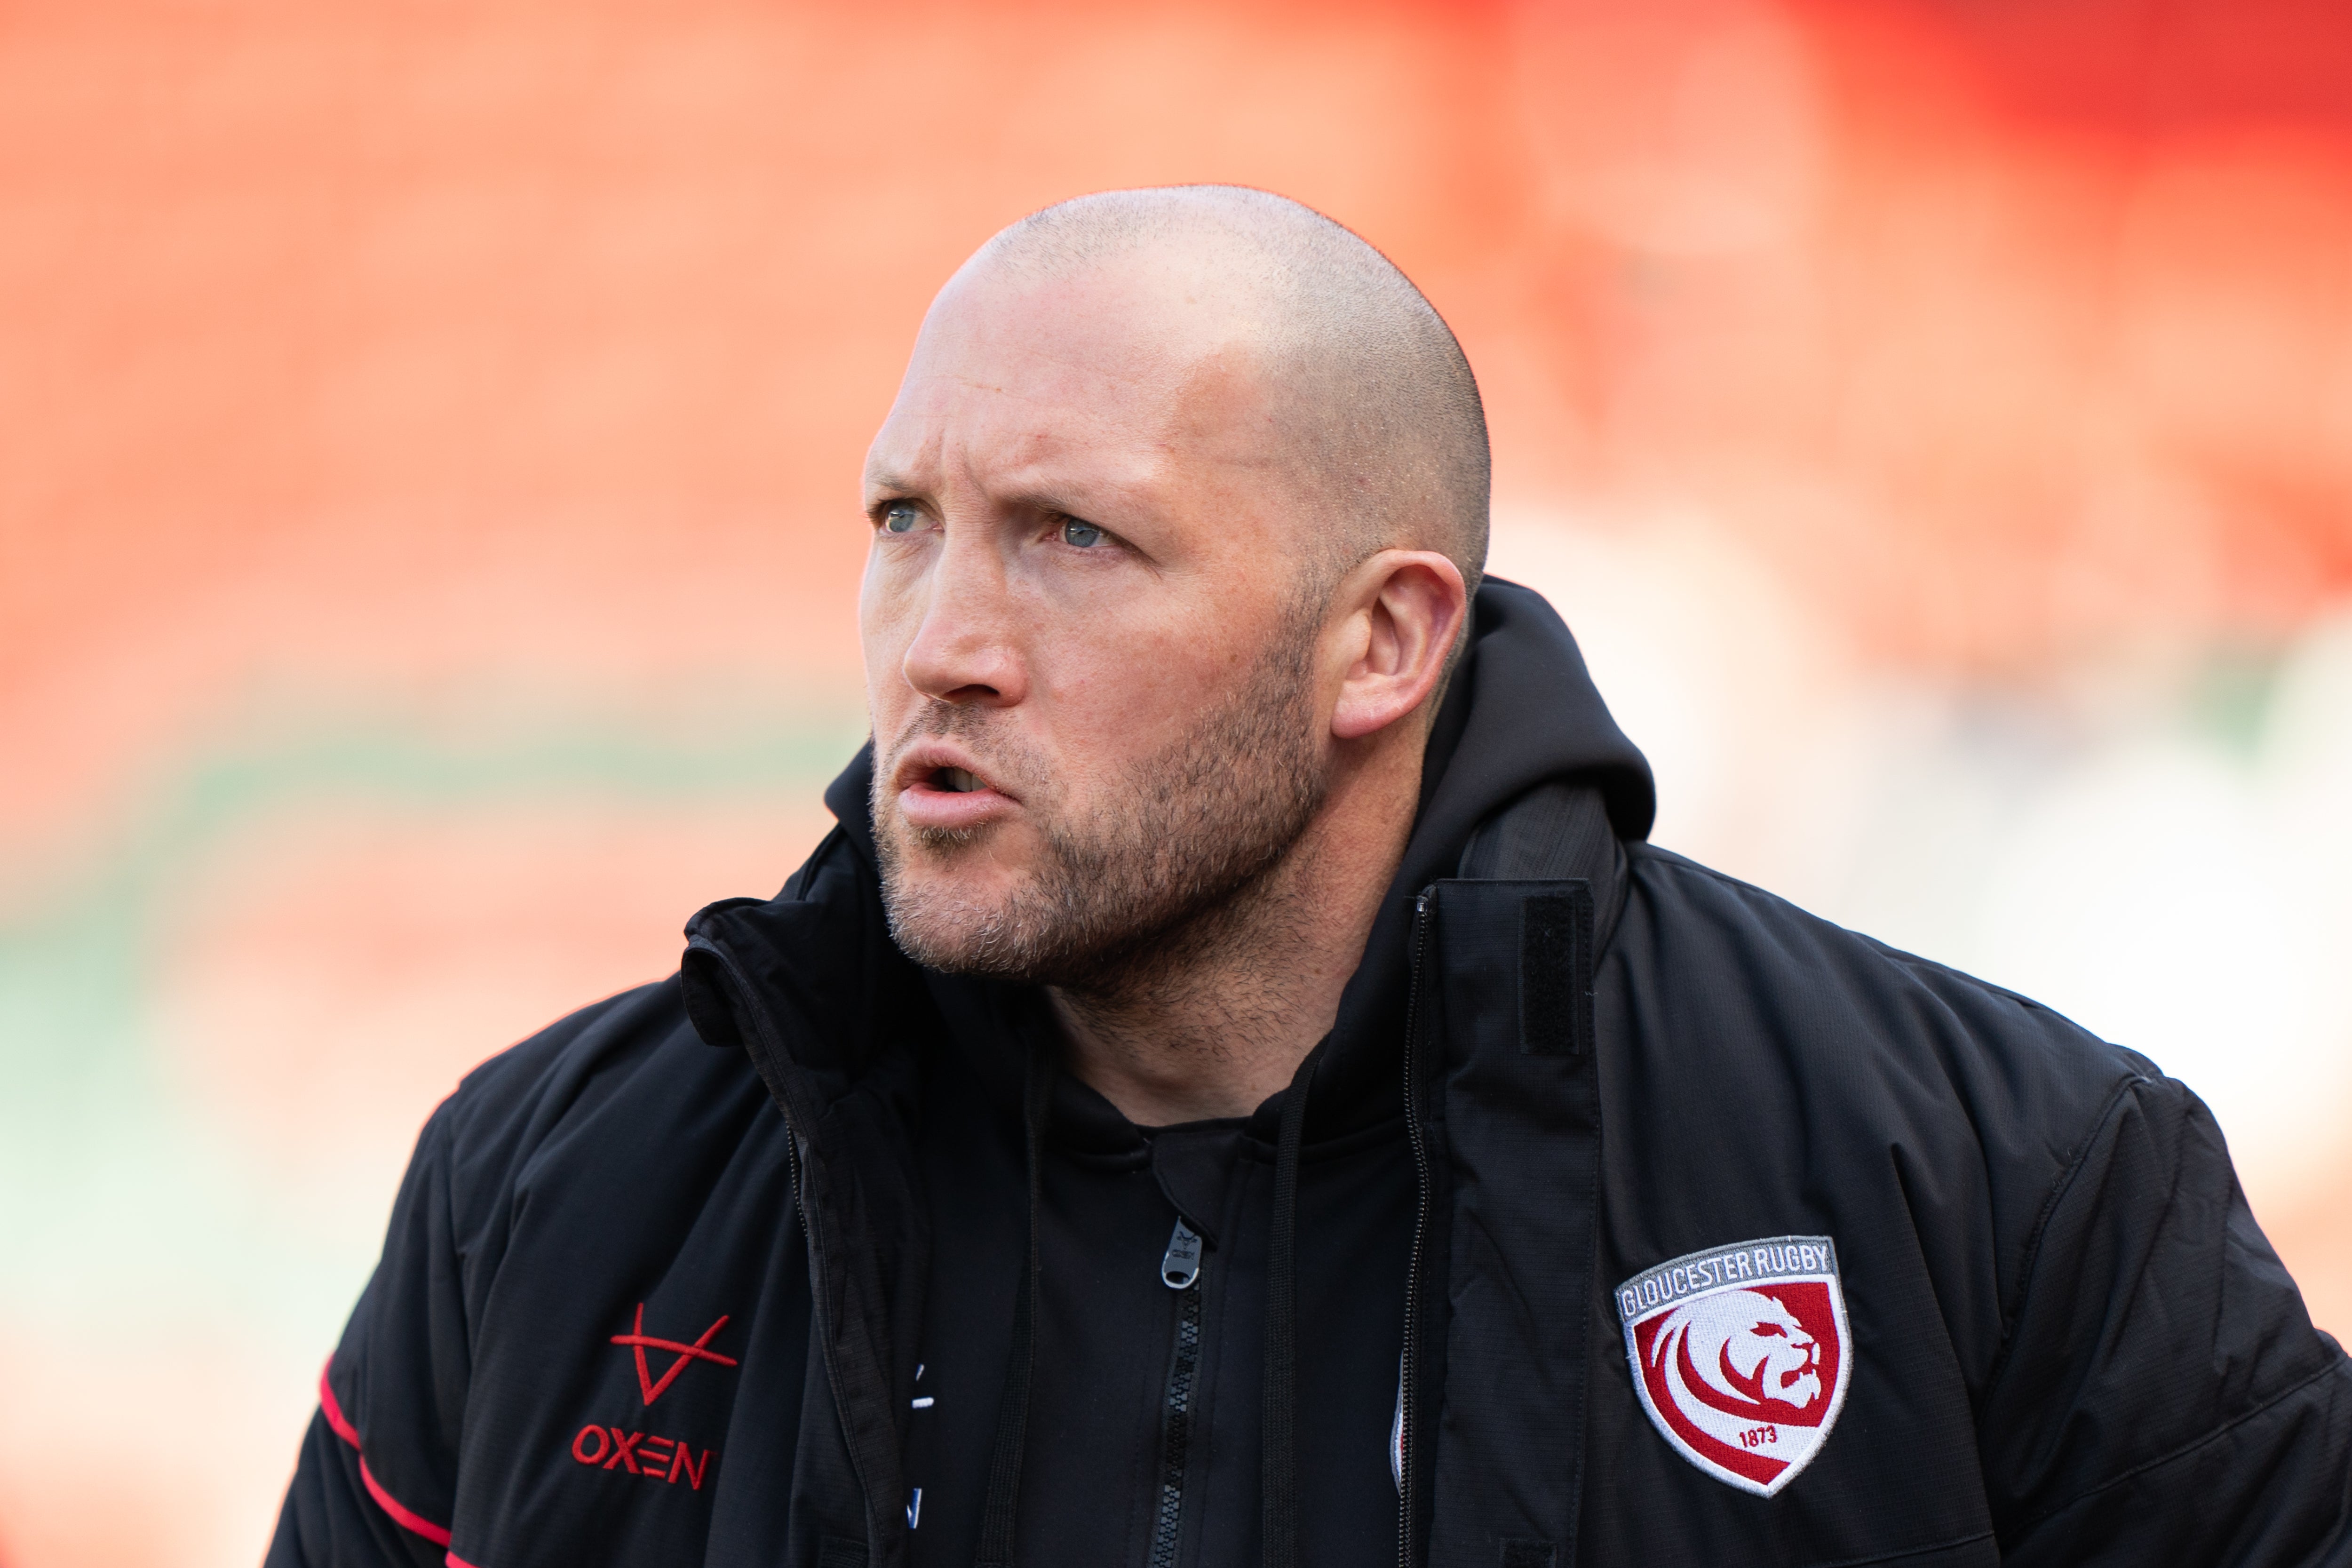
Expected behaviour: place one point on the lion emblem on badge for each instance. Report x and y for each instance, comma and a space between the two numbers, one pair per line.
1745, 1347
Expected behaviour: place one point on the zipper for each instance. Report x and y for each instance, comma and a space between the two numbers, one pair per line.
1179, 1270
1409, 1362
1180, 1263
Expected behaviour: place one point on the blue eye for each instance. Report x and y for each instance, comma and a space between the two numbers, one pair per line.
901, 518
1082, 536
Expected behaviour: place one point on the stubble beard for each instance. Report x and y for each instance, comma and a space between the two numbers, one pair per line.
1180, 857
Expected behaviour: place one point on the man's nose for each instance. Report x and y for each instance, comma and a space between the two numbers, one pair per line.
963, 650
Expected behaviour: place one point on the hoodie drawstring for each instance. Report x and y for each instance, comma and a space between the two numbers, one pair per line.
997, 1523
1278, 1450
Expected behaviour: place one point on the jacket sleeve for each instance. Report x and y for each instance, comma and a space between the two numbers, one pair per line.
2163, 1398
377, 1474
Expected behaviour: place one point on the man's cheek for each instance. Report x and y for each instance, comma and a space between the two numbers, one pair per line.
886, 711
1114, 668
889, 615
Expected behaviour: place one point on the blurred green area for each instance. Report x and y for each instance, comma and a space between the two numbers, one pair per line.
122, 1194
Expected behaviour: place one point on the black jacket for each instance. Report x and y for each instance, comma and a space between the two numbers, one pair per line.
1631, 1215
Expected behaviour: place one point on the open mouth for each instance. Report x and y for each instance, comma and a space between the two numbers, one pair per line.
937, 794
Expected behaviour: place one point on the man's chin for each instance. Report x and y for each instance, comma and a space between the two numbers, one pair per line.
956, 941
950, 908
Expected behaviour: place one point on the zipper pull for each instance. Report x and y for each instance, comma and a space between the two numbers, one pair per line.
1180, 1263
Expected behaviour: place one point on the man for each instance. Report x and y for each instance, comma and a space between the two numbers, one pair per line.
1235, 1087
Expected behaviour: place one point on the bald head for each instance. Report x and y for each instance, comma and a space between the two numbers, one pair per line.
1373, 416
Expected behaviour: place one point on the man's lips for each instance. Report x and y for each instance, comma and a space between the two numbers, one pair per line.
943, 786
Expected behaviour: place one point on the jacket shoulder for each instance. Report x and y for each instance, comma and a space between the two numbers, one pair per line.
1910, 1014
628, 1072
1950, 1106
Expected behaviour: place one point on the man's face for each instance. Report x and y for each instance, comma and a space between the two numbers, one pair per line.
1091, 651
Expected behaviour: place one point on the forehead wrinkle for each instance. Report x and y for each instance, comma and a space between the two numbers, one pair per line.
1038, 469
900, 471
1006, 410
1023, 448
1100, 486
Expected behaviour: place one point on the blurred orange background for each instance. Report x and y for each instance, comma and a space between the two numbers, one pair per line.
429, 450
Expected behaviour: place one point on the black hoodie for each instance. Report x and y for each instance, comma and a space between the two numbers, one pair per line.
1628, 1214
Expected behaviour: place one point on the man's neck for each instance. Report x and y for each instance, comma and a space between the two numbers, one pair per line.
1219, 1018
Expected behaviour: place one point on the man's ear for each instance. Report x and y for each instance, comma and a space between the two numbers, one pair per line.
1400, 611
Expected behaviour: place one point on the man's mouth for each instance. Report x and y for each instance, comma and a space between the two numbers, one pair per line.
939, 795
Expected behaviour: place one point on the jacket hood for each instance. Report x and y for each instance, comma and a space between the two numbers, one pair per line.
1522, 713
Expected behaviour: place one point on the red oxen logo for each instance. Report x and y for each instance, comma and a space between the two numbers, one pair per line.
1738, 1356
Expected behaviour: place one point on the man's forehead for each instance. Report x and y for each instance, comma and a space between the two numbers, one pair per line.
1130, 327
1068, 369
1011, 450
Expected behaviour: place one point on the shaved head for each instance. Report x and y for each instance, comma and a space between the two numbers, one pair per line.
1376, 422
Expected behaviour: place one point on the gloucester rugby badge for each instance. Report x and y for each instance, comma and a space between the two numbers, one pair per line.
1740, 1353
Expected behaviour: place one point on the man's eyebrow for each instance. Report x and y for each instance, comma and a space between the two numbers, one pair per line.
891, 480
